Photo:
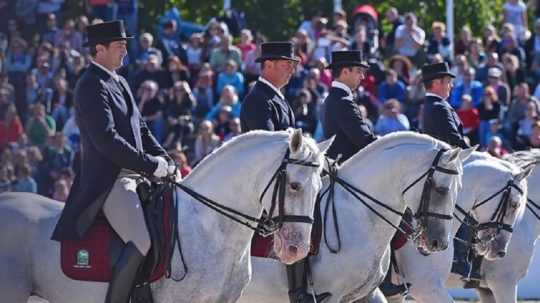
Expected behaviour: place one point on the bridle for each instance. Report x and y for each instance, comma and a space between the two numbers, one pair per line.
497, 218
422, 214
268, 224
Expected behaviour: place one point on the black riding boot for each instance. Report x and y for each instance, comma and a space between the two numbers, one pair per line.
388, 288
124, 273
463, 255
297, 276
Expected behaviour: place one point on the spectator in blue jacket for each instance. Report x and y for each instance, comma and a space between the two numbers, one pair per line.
232, 77
392, 88
469, 86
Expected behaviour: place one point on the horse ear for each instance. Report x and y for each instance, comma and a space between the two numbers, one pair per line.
325, 145
466, 153
526, 171
453, 154
296, 140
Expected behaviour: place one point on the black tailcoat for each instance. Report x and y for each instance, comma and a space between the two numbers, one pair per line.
264, 109
113, 136
342, 118
441, 121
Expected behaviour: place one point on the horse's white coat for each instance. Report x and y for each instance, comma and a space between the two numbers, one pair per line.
216, 249
483, 175
383, 170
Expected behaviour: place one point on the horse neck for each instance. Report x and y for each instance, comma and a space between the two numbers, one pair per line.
372, 174
235, 179
529, 220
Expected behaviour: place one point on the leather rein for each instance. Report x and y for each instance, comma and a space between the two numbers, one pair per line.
422, 213
497, 218
267, 224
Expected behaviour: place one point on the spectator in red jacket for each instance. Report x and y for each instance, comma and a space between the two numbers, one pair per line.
11, 128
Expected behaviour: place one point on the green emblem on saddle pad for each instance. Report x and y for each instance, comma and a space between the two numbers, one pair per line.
83, 259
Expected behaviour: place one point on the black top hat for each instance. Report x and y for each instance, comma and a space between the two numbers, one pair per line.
277, 51
347, 58
436, 70
106, 32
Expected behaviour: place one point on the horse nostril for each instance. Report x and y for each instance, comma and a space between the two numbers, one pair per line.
293, 250
501, 254
435, 244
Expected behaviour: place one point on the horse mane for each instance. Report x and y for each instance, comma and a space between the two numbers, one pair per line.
397, 138
524, 157
262, 135
504, 162
265, 137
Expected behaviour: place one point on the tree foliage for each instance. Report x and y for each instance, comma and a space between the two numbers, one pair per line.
279, 19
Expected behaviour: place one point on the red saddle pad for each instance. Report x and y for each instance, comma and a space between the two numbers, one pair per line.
89, 259
400, 239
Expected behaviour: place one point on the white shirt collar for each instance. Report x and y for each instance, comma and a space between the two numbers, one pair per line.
111, 73
434, 95
342, 86
272, 87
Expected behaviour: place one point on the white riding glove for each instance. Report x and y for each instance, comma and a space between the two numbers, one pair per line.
162, 169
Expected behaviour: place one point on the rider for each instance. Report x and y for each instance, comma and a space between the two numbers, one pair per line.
116, 149
265, 107
341, 114
441, 121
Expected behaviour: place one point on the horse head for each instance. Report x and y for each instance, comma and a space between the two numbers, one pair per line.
302, 182
497, 211
437, 197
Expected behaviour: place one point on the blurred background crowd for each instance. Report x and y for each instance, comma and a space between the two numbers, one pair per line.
189, 80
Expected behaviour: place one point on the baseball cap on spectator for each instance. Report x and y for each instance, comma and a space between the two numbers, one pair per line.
494, 72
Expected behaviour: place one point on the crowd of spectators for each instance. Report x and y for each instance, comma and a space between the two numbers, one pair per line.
190, 91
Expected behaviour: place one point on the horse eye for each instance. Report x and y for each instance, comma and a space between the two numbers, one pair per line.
295, 186
442, 190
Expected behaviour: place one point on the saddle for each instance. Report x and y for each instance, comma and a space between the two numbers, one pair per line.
263, 246
92, 258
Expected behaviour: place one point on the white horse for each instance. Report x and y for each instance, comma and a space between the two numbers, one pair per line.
501, 277
216, 249
384, 170
485, 181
